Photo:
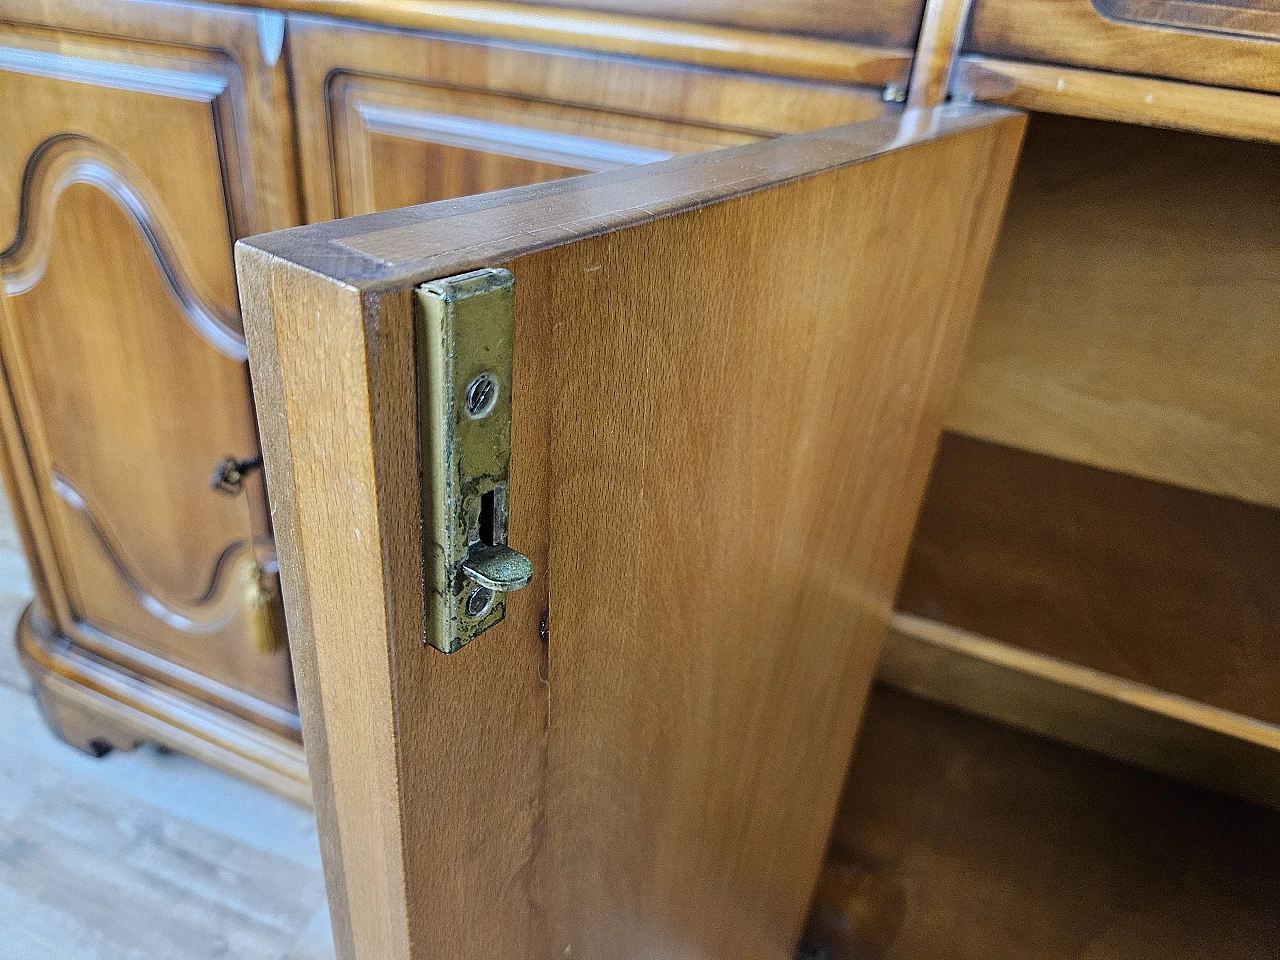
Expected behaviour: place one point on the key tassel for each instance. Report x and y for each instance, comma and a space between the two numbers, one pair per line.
264, 612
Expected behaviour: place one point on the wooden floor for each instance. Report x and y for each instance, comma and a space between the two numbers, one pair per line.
143, 855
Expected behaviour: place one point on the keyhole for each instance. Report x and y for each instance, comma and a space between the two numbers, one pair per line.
488, 516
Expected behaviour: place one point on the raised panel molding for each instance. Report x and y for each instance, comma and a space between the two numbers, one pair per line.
485, 127
141, 140
1247, 18
187, 84
209, 613
87, 509
524, 143
68, 159
213, 80
465, 131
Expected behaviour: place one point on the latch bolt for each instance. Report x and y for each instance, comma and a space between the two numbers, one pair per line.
465, 328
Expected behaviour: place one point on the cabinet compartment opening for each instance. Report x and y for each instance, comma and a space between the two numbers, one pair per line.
1105, 504
1107, 492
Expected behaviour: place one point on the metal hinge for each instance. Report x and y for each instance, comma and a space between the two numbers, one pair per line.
464, 329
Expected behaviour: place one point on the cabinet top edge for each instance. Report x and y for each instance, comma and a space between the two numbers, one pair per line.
385, 252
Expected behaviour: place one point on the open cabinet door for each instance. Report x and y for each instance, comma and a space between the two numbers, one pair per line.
729, 372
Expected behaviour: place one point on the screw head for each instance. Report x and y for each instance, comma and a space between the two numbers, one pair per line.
895, 93
482, 396
479, 600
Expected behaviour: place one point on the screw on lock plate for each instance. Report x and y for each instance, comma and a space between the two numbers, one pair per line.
464, 328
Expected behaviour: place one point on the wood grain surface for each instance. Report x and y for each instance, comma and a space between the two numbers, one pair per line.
940, 36
963, 839
137, 148
1252, 18
1149, 582
1131, 318
893, 23
1244, 114
1130, 721
785, 39
630, 784
1077, 33
148, 854
96, 707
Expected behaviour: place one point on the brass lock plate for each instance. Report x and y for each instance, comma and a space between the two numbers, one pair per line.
464, 336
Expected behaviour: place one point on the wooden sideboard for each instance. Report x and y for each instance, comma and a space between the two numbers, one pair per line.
142, 139
1088, 604
137, 148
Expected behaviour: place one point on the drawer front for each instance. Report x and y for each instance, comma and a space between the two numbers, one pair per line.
1229, 44
389, 118
890, 23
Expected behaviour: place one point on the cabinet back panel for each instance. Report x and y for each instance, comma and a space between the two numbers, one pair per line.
1153, 583
1131, 318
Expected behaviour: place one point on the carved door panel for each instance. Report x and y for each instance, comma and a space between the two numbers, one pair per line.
135, 151
390, 119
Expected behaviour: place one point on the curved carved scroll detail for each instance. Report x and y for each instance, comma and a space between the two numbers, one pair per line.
67, 159
214, 609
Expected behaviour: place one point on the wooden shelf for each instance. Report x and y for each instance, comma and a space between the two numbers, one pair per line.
1129, 721
1149, 582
